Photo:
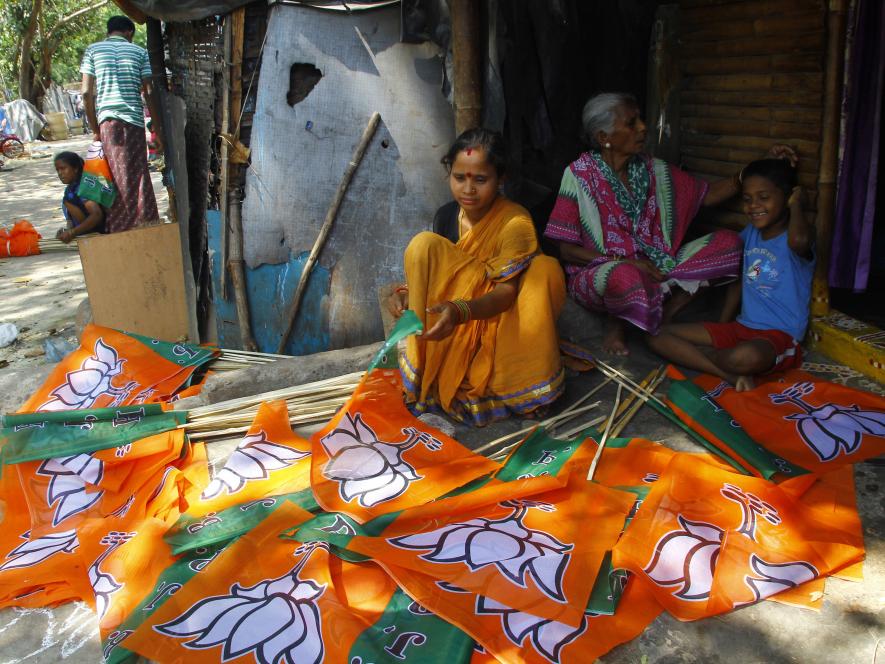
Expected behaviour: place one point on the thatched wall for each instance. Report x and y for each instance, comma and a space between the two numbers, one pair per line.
752, 74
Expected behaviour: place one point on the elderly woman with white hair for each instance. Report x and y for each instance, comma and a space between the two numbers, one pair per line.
620, 220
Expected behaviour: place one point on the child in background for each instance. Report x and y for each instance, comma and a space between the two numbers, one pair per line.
83, 216
773, 293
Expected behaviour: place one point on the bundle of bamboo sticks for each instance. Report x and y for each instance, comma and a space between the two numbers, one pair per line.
231, 360
310, 403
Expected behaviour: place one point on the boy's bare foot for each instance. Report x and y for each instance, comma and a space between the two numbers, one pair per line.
744, 384
615, 339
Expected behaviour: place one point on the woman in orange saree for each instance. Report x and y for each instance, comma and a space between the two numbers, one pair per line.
489, 300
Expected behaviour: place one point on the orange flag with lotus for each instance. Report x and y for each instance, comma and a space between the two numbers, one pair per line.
526, 548
270, 458
109, 368
294, 602
815, 424
516, 637
677, 542
374, 457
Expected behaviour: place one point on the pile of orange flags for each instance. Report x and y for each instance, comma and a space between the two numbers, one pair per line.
112, 368
21, 240
382, 538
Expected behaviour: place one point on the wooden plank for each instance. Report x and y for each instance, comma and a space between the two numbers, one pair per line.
789, 43
724, 169
798, 62
850, 342
810, 116
703, 12
783, 131
805, 148
135, 281
809, 98
748, 82
726, 153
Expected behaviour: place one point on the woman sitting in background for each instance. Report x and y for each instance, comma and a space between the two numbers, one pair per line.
83, 216
621, 218
488, 301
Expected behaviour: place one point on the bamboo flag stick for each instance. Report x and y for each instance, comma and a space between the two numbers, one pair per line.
361, 148
504, 451
627, 382
605, 434
583, 427
565, 415
631, 413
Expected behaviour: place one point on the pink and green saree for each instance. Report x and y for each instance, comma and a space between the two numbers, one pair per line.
648, 220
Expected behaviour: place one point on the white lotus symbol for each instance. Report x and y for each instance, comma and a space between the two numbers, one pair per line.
687, 558
547, 636
774, 577
365, 467
830, 428
83, 387
277, 619
104, 585
254, 459
67, 486
32, 552
506, 543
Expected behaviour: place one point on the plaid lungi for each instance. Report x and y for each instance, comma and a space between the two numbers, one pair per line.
126, 151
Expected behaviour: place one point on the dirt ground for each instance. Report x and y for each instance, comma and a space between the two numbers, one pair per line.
40, 294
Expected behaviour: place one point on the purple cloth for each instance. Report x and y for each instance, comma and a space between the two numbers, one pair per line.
856, 197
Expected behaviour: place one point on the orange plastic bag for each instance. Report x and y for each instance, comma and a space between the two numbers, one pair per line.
21, 240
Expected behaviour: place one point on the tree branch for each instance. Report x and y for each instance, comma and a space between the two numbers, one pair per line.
65, 20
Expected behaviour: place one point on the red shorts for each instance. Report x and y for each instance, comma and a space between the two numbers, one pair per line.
729, 335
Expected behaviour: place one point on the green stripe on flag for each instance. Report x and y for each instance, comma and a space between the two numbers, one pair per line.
51, 435
407, 632
169, 583
700, 406
185, 355
190, 532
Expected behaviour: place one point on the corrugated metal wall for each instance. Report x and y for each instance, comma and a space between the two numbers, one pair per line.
751, 75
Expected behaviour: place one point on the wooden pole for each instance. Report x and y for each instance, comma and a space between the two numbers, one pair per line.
466, 61
225, 129
238, 33
237, 271
235, 198
829, 155
292, 315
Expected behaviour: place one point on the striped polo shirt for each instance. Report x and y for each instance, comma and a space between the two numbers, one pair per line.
118, 67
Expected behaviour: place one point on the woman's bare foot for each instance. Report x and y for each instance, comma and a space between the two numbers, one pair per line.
615, 339
744, 384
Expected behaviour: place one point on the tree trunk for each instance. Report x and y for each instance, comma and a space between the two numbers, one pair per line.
26, 67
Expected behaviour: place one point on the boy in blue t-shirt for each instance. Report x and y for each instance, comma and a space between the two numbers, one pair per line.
773, 293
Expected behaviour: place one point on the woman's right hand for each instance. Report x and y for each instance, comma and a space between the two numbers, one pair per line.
648, 267
398, 302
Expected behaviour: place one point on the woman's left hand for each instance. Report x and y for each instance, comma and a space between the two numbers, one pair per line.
65, 236
445, 324
780, 151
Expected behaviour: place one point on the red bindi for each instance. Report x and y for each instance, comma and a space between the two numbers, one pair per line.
469, 151
469, 174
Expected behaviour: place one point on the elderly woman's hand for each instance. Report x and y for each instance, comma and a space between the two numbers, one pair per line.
787, 152
648, 267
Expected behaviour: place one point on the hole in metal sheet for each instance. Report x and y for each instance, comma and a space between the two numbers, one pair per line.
303, 77
385, 143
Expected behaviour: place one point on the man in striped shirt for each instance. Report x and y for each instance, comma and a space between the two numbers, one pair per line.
115, 73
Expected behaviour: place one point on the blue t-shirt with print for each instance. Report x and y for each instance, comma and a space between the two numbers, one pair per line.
776, 288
